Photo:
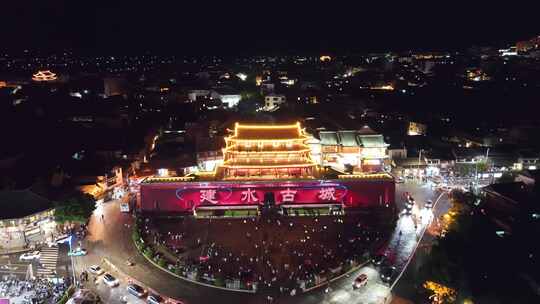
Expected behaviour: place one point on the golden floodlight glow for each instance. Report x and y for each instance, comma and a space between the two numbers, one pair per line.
43, 76
258, 148
325, 58
440, 292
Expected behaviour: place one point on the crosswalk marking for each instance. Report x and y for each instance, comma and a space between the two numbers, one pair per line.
48, 260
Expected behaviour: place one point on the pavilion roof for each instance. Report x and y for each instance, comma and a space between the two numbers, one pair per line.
268, 132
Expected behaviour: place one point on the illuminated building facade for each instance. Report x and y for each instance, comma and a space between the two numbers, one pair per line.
268, 165
362, 150
267, 152
44, 76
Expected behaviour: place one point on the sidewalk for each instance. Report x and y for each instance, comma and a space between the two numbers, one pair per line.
14, 250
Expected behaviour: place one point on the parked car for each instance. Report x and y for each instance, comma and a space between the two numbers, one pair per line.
154, 299
62, 239
409, 207
387, 273
444, 188
378, 259
95, 269
110, 280
360, 281
30, 255
77, 252
136, 290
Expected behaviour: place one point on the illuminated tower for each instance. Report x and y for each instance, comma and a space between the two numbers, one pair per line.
267, 152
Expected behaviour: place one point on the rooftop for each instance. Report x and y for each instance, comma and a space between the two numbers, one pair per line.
515, 191
268, 132
21, 203
209, 176
352, 138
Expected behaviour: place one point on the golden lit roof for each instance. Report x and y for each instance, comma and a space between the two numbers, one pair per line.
381, 175
267, 132
44, 76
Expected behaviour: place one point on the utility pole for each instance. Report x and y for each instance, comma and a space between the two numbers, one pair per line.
419, 157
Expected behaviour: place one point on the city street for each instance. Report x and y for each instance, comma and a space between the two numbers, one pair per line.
110, 237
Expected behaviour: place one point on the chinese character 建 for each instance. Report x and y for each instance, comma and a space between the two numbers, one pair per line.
208, 195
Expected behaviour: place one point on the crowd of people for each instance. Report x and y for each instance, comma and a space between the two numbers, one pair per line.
32, 291
276, 252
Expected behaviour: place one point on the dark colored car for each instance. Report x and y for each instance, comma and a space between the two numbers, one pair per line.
378, 259
387, 273
154, 299
136, 290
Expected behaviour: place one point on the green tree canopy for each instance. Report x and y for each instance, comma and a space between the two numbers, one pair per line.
78, 207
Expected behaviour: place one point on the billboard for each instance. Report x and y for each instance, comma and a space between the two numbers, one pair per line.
186, 196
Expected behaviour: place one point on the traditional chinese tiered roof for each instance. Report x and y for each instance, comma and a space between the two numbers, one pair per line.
44, 76
267, 151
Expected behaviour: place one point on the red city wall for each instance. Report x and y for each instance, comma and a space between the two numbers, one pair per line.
184, 196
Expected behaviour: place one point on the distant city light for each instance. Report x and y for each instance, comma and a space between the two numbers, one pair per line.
242, 76
163, 172
325, 58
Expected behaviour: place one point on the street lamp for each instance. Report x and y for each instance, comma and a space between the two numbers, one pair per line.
419, 158
72, 263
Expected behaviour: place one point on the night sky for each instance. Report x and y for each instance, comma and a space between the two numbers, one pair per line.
261, 26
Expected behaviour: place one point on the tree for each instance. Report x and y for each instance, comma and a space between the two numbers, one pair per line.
250, 102
76, 208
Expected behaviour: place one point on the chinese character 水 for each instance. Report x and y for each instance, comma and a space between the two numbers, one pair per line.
249, 196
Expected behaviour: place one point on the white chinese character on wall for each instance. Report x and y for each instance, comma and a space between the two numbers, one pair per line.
208, 195
327, 194
288, 195
249, 196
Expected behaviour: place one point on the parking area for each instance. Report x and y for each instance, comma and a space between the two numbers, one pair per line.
118, 293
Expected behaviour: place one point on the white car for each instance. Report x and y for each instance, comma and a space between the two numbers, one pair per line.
124, 207
110, 280
95, 269
30, 256
360, 281
62, 239
154, 299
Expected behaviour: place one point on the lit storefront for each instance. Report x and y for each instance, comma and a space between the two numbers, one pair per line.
30, 222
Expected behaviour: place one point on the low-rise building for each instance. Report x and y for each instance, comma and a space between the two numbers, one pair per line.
364, 150
273, 101
26, 219
228, 97
508, 204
